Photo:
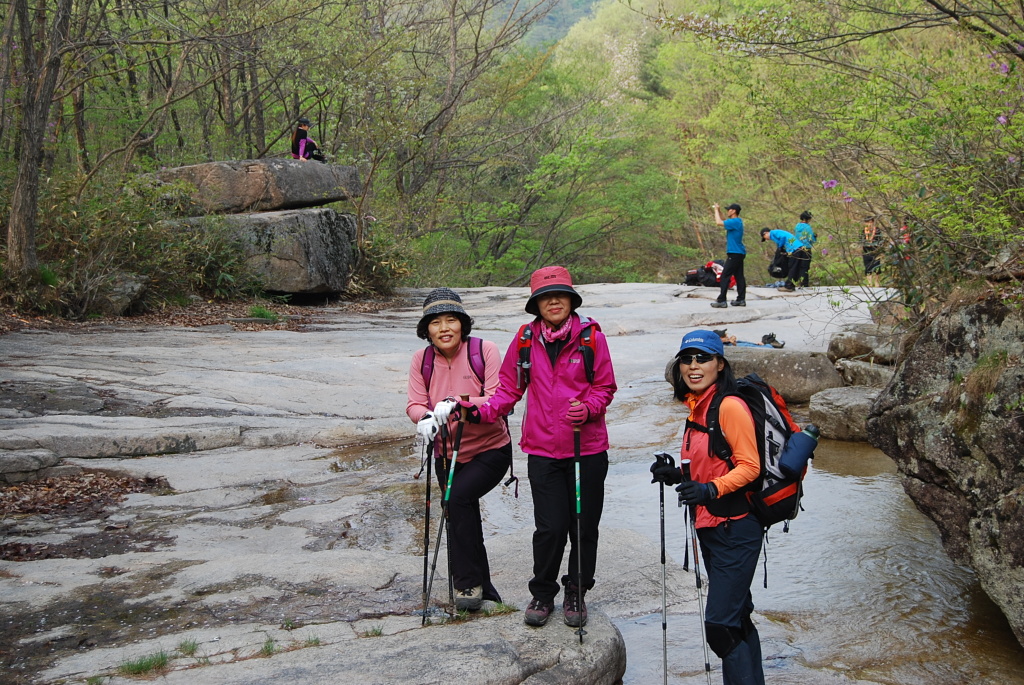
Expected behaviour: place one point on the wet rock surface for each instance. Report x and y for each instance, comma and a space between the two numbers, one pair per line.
288, 540
953, 420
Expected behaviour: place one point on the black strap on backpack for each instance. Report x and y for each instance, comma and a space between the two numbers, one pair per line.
587, 348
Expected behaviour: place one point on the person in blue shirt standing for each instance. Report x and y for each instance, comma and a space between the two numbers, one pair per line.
805, 234
791, 244
735, 253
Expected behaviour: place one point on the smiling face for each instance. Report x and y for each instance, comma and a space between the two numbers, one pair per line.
554, 308
445, 333
700, 376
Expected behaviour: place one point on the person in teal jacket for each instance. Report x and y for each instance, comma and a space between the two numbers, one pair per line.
792, 245
563, 392
805, 234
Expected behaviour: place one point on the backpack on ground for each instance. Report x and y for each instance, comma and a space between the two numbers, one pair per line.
525, 338
476, 361
693, 276
773, 497
779, 266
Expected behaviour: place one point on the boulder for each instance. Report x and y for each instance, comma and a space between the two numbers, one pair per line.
796, 375
864, 373
22, 465
953, 420
232, 187
841, 413
121, 294
866, 342
300, 251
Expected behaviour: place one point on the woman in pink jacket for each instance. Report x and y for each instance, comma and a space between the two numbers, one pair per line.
566, 390
485, 453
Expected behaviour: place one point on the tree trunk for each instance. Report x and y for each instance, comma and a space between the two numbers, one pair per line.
40, 80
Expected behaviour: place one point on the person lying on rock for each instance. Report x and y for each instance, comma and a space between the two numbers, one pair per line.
438, 375
768, 339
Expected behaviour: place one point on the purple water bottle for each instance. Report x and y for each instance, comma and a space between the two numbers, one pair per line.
799, 448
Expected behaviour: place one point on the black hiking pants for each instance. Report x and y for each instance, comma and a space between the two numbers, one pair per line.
733, 267
553, 482
472, 480
799, 266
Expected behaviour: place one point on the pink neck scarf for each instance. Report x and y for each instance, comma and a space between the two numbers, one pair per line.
560, 333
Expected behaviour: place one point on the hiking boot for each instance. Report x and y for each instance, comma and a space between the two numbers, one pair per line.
719, 305
770, 339
573, 607
786, 289
538, 613
739, 303
469, 600
720, 333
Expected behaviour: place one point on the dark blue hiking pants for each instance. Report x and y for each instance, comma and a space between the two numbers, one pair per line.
730, 554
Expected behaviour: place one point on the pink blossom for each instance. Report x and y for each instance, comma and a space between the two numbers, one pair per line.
1001, 119
829, 185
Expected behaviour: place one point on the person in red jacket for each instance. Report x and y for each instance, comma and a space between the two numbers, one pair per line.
729, 534
485, 453
561, 397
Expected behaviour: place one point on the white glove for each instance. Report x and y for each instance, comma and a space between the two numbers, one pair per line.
444, 409
428, 427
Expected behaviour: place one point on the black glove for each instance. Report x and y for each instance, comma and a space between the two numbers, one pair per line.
691, 492
664, 470
472, 411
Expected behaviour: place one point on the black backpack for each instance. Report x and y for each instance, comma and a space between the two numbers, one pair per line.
779, 267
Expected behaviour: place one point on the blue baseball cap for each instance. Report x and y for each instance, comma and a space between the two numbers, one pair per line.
703, 341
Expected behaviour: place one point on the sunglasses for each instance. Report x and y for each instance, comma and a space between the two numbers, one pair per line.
689, 358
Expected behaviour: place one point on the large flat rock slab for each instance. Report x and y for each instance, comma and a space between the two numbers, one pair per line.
256, 185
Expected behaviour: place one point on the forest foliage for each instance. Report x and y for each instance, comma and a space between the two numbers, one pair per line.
490, 144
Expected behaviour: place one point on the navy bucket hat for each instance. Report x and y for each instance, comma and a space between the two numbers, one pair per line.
443, 301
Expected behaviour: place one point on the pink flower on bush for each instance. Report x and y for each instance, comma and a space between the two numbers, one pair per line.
829, 185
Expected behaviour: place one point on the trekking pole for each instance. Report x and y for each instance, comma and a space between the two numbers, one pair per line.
426, 528
444, 518
447, 494
692, 510
665, 459
579, 537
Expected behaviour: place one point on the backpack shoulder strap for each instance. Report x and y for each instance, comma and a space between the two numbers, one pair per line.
427, 367
588, 348
525, 341
476, 360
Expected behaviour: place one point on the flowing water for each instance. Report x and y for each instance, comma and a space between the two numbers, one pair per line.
860, 589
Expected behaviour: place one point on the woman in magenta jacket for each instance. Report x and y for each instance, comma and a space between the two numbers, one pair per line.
560, 398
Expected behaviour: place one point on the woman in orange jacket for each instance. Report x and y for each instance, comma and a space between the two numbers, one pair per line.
729, 533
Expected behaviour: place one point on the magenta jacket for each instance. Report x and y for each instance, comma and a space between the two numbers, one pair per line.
546, 432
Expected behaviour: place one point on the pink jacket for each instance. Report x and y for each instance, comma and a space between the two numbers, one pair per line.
546, 430
450, 379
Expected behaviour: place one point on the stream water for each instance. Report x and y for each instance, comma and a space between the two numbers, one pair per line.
860, 589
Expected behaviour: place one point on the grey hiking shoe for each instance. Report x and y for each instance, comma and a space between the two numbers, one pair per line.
469, 600
573, 607
538, 613
739, 303
719, 305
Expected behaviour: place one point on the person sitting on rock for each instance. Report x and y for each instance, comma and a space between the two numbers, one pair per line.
485, 453
304, 148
